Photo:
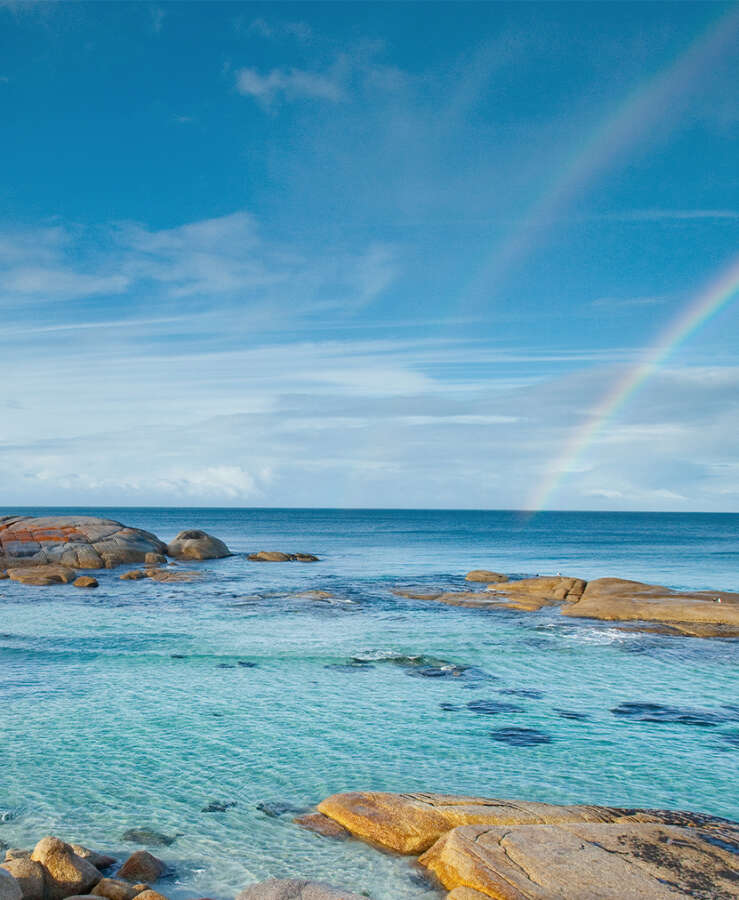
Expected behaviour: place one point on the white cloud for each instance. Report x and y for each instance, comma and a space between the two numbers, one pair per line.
288, 83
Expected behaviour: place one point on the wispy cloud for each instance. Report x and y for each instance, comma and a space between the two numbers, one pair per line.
289, 84
275, 28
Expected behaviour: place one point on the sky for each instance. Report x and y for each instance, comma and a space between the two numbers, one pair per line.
351, 254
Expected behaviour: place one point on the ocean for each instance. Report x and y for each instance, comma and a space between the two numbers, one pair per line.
145, 705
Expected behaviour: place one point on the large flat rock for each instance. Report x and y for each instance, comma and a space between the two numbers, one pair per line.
77, 542
411, 823
615, 599
695, 613
586, 861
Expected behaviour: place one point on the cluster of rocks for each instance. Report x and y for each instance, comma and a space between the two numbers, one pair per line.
50, 549
55, 870
656, 608
481, 848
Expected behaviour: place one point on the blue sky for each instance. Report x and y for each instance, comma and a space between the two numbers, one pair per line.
355, 254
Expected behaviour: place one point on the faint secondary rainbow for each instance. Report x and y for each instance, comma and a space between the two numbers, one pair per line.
719, 292
642, 112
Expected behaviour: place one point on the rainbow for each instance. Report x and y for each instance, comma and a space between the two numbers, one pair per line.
716, 295
637, 115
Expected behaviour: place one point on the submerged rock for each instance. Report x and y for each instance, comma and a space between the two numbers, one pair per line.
218, 806
295, 889
322, 825
276, 808
66, 873
148, 836
79, 542
197, 545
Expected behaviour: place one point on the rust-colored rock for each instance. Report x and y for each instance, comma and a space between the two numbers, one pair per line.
322, 825
142, 866
78, 542
42, 575
584, 861
66, 873
151, 895
484, 576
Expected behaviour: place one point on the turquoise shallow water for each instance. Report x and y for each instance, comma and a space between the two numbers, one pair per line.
127, 707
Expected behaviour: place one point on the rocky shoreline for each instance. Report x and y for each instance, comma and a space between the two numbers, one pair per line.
52, 550
476, 848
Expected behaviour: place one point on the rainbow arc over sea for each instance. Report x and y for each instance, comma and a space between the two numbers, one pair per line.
715, 296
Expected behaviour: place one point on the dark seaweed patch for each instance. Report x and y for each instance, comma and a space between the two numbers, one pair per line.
493, 707
571, 714
522, 692
520, 737
656, 712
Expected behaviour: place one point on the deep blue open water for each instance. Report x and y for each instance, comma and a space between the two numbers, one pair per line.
127, 707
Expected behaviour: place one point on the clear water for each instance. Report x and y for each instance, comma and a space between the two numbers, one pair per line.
103, 729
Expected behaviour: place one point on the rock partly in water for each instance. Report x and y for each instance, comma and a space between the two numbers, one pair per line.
142, 866
150, 895
692, 612
168, 576
295, 889
66, 873
411, 823
30, 876
195, 544
322, 825
16, 853
9, 887
583, 861
484, 576
79, 542
277, 556
85, 581
41, 575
